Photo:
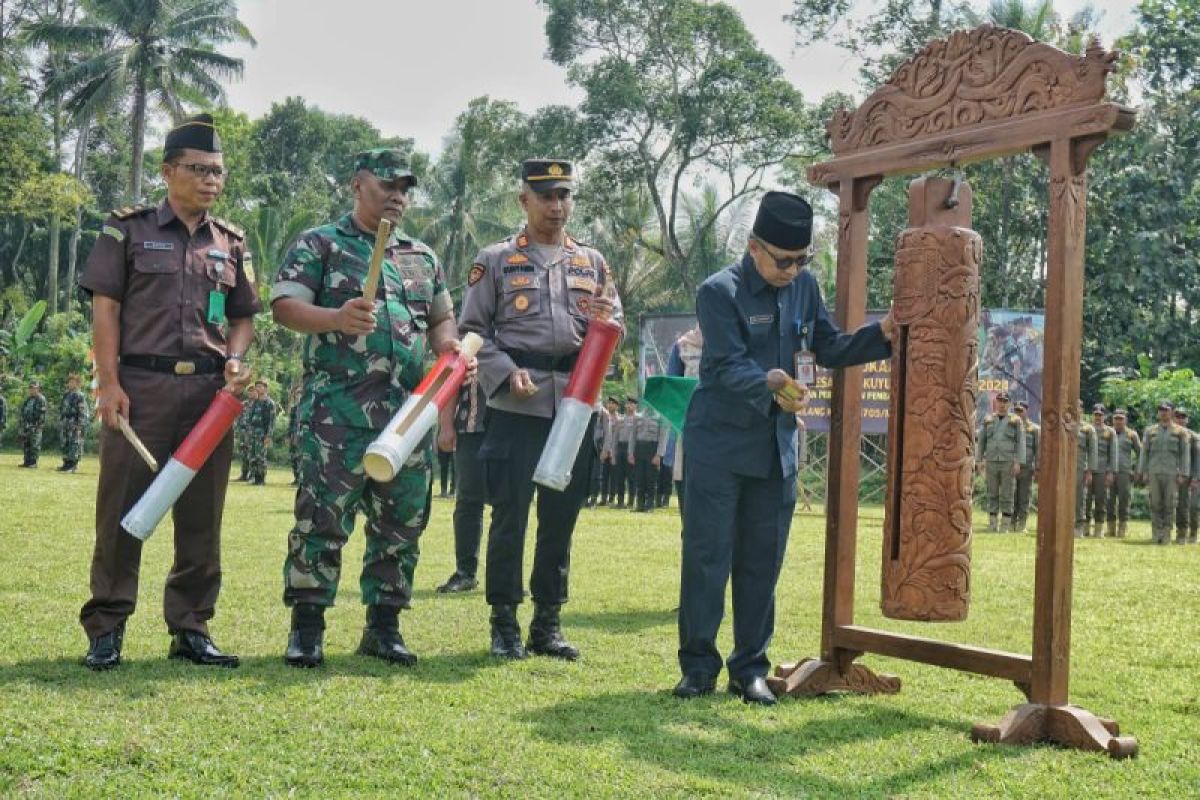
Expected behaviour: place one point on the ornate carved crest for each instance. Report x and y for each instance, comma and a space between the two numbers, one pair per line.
969, 78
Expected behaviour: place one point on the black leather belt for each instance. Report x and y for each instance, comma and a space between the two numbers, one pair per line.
176, 366
527, 360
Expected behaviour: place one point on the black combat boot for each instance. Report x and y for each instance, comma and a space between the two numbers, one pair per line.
546, 636
305, 647
506, 633
381, 637
104, 651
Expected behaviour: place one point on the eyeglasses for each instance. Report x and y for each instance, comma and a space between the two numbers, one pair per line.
783, 264
205, 170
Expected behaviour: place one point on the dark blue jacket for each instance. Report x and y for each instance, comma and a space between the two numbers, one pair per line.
733, 422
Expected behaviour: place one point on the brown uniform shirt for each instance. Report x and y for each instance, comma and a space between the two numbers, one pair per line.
163, 276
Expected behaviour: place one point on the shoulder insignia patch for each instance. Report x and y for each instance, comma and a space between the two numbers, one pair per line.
580, 261
522, 241
517, 258
129, 211
475, 275
230, 227
114, 232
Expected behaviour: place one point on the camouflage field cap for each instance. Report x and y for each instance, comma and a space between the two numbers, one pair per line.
385, 163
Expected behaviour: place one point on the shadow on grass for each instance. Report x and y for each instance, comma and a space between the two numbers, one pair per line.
746, 756
622, 621
266, 674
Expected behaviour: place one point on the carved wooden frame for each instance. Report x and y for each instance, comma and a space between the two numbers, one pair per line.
973, 96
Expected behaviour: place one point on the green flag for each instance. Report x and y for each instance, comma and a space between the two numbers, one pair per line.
669, 396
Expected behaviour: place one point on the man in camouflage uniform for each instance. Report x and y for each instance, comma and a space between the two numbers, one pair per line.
1165, 465
1087, 456
33, 420
260, 426
1001, 452
1028, 474
72, 421
532, 297
1185, 505
1128, 451
362, 359
241, 432
1098, 506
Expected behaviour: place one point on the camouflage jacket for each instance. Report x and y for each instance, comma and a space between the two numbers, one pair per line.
361, 381
33, 413
74, 410
260, 417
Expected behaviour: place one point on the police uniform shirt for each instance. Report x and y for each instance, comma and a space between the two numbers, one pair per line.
518, 299
163, 276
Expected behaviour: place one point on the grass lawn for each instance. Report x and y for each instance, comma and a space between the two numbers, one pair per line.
460, 725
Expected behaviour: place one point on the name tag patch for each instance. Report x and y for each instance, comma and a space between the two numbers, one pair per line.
587, 284
163, 246
762, 319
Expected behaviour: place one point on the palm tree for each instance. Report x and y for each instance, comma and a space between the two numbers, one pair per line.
160, 51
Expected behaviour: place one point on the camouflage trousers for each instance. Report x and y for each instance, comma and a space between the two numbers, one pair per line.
242, 442
333, 489
294, 456
31, 444
258, 456
72, 444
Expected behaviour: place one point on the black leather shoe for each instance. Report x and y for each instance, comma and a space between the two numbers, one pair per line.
305, 647
199, 649
104, 651
546, 636
506, 633
752, 690
458, 583
694, 684
381, 638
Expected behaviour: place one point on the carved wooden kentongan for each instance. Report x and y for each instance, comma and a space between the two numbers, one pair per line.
927, 515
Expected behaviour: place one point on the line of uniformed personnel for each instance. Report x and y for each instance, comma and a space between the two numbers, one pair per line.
629, 447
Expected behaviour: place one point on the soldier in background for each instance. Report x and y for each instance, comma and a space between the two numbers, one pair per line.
259, 428
1086, 456
293, 433
241, 432
1001, 451
1185, 511
1028, 474
33, 420
1128, 451
1098, 505
72, 420
1165, 465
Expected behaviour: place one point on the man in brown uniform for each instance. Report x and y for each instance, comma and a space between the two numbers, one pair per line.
173, 299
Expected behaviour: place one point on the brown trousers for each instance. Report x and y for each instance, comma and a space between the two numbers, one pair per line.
163, 408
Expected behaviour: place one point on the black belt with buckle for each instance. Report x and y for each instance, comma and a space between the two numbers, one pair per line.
527, 360
203, 365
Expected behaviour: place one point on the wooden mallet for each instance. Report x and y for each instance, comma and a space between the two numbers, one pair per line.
375, 269
137, 443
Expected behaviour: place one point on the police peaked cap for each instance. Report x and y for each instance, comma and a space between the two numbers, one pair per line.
194, 133
784, 220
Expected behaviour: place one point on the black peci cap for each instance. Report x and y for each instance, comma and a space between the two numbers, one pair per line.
784, 220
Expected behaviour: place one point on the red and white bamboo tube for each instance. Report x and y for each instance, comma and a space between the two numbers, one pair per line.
416, 418
573, 413
200, 443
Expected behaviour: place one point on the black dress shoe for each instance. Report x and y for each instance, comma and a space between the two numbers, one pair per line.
694, 684
305, 647
506, 634
104, 651
381, 637
753, 690
458, 583
199, 649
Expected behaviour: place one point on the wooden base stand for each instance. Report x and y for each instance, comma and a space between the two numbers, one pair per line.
1068, 726
812, 677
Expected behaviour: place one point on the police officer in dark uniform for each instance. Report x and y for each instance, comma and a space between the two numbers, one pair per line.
470, 421
760, 318
531, 298
173, 301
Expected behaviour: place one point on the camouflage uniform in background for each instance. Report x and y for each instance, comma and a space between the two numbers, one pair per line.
73, 419
33, 419
353, 385
241, 440
293, 440
259, 426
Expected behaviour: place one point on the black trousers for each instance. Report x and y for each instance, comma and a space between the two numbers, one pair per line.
596, 484
446, 470
645, 475
607, 489
511, 448
666, 475
620, 475
732, 524
470, 493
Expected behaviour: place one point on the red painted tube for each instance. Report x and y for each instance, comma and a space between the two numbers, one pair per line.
598, 347
209, 431
448, 392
